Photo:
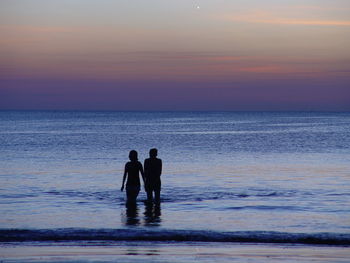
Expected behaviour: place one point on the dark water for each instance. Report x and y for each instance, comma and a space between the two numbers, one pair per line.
260, 177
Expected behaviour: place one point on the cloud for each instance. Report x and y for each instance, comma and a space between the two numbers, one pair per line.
169, 66
268, 69
281, 21
283, 16
39, 29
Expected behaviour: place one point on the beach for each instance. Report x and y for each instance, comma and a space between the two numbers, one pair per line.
171, 252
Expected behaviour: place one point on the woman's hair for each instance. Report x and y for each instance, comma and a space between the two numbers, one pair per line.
133, 155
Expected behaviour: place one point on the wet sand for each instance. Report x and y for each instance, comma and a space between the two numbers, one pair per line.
170, 252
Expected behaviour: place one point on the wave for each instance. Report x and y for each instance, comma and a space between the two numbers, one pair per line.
81, 234
174, 194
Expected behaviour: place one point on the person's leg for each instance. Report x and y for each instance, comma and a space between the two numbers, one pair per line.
157, 196
132, 194
156, 189
129, 195
149, 196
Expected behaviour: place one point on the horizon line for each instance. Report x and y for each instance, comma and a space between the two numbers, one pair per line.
150, 111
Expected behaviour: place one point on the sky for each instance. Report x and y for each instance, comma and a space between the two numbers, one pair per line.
175, 55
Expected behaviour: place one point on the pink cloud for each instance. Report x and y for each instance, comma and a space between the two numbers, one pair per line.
267, 69
292, 16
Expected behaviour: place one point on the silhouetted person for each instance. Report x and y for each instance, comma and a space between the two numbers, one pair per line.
153, 171
131, 172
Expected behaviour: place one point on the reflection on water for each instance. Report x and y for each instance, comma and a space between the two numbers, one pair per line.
152, 214
135, 251
132, 215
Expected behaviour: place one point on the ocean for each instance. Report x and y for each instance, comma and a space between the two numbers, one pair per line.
237, 179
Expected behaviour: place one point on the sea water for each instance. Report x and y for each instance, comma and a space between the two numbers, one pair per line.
227, 176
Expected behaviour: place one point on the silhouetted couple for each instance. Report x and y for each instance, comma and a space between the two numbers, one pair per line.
150, 175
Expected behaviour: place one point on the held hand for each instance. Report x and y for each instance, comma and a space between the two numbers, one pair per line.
121, 189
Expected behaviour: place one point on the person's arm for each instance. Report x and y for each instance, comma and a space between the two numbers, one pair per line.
145, 168
142, 174
124, 177
160, 167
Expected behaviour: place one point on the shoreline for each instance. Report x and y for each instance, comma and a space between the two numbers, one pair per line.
168, 235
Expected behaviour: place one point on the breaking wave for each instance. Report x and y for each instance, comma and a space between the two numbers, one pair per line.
80, 234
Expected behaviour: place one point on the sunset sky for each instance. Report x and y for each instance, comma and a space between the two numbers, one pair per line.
175, 55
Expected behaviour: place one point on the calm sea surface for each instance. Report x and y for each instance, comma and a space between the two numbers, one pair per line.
247, 173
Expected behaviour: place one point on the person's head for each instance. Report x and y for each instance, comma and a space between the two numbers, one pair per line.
153, 153
133, 155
